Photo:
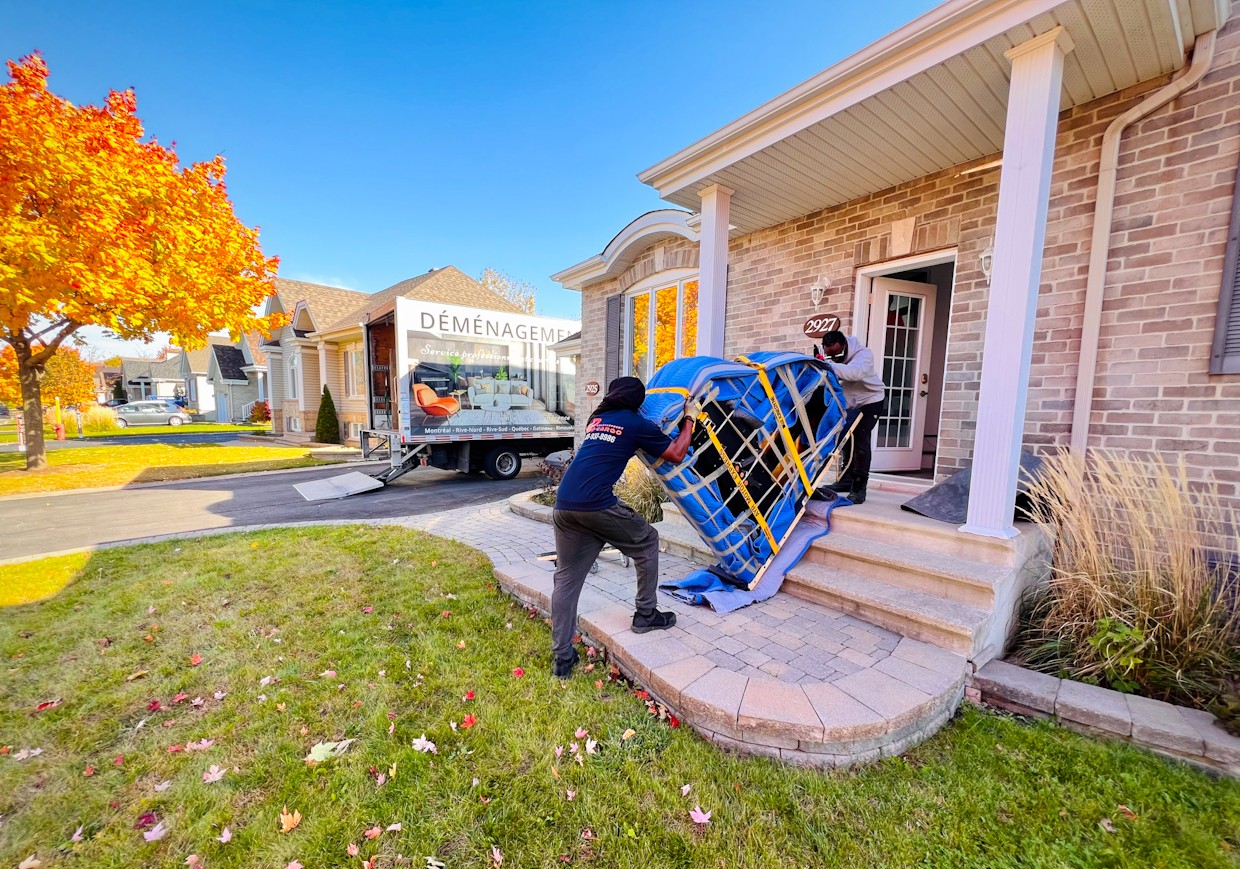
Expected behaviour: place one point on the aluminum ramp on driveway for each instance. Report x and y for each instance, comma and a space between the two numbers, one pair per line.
342, 486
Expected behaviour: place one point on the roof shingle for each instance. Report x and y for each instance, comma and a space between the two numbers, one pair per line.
448, 285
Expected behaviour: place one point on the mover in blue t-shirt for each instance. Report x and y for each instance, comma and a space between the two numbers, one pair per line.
588, 515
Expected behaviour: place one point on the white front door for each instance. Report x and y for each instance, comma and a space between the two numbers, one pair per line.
901, 327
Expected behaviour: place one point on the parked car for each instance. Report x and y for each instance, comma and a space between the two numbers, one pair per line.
155, 412
115, 402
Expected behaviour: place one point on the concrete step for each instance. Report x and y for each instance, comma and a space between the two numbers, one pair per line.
881, 518
920, 615
894, 563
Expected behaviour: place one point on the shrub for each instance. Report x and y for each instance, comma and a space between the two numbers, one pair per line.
327, 426
1143, 595
98, 419
641, 490
261, 412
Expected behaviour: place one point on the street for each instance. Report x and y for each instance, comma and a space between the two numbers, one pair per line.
31, 526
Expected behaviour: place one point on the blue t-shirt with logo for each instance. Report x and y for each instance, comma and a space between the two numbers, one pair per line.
611, 439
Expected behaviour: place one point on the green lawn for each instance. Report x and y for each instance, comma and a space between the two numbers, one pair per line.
120, 464
301, 636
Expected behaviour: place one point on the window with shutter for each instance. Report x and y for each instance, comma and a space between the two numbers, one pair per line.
614, 345
1225, 354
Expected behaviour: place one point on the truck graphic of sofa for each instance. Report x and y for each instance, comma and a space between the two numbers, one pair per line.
487, 393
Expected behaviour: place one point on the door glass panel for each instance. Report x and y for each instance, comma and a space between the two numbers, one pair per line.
901, 340
639, 328
688, 342
664, 325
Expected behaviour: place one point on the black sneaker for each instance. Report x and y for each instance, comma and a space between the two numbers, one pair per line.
563, 667
857, 497
654, 620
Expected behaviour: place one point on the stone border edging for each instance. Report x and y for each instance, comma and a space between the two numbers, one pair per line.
1185, 734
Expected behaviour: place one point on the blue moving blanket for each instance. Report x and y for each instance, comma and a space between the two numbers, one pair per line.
707, 587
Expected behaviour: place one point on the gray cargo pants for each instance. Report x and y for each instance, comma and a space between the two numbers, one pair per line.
579, 536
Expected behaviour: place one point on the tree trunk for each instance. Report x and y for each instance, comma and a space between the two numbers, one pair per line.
31, 374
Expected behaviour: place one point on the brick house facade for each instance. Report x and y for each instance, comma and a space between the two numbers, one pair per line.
1174, 196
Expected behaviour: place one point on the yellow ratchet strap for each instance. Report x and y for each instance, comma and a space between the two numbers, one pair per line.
783, 424
740, 482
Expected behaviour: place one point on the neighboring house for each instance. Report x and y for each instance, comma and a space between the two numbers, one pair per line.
941, 193
323, 343
237, 377
155, 378
200, 393
106, 377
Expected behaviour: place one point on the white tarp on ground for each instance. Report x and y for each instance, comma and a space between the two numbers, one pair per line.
338, 487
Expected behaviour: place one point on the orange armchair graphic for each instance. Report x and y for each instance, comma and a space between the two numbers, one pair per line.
432, 404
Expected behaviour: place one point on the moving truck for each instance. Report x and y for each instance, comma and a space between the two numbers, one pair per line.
465, 389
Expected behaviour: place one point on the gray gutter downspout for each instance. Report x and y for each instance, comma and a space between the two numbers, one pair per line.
1100, 246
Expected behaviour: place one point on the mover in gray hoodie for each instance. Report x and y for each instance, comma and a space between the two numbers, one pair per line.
853, 364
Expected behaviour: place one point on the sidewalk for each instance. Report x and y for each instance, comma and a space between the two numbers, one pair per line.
785, 678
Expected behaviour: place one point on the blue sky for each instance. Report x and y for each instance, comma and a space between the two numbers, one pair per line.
373, 141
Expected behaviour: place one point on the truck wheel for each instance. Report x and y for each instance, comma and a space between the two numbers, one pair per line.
502, 463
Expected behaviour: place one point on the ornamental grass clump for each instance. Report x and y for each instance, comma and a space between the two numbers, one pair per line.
641, 490
99, 420
1144, 595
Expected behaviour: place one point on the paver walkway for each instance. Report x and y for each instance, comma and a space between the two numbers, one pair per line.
785, 678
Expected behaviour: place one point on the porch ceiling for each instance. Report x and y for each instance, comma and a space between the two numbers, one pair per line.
927, 97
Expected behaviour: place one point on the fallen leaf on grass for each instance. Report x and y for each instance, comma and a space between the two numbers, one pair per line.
46, 705
588, 835
393, 828
460, 644
180, 697
144, 820
172, 749
1106, 824
468, 721
214, 774
220, 695
424, 745
352, 850
27, 753
698, 816
368, 610
684, 790
31, 862
628, 734
292, 864
289, 822
581, 733
162, 786
374, 832
197, 701
497, 856
322, 752
200, 745
328, 674
155, 833
89, 771
225, 836
392, 771
193, 860
195, 659
138, 675
469, 695
570, 795
559, 751
1126, 812
591, 746
517, 673
120, 760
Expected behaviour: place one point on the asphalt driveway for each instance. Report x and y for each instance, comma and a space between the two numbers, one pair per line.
32, 525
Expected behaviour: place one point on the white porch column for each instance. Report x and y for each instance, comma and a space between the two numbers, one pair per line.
1020, 232
713, 268
262, 385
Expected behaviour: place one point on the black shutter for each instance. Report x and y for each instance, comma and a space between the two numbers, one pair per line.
1225, 354
614, 342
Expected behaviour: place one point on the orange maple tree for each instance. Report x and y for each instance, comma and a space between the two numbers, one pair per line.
99, 227
66, 376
